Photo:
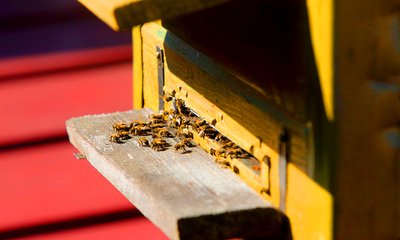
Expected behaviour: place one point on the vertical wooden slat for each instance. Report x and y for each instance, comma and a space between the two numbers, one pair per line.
137, 67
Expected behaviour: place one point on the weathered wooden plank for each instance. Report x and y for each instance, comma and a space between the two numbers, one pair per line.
124, 14
188, 196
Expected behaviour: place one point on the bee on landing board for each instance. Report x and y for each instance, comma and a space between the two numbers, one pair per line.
223, 162
120, 137
163, 132
143, 142
120, 127
158, 144
156, 116
180, 146
187, 142
138, 123
139, 130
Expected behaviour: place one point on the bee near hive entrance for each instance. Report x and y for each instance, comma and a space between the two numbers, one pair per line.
180, 129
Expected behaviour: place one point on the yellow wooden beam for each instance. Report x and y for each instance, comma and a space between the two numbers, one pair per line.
321, 14
137, 67
124, 14
309, 207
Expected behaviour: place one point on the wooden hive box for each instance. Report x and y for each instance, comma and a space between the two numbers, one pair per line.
275, 79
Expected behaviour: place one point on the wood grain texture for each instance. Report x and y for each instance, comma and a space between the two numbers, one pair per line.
188, 196
124, 14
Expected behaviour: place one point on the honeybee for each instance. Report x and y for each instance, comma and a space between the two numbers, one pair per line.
143, 142
157, 125
236, 153
180, 146
220, 138
139, 131
163, 132
175, 122
188, 142
229, 144
207, 131
167, 97
179, 103
156, 121
138, 123
223, 162
184, 132
158, 144
200, 122
220, 153
120, 127
157, 116
181, 108
120, 137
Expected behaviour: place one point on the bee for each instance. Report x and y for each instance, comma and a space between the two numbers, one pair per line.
220, 138
207, 131
156, 121
120, 127
158, 144
137, 123
139, 131
120, 137
186, 122
185, 134
143, 142
175, 122
181, 108
200, 122
163, 132
165, 113
167, 97
180, 146
218, 153
157, 125
212, 151
236, 153
223, 162
229, 144
188, 142
179, 103
156, 116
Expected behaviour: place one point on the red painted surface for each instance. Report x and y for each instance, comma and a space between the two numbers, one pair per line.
45, 63
46, 183
38, 106
43, 186
134, 229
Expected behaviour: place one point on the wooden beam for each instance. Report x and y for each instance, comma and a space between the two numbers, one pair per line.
125, 14
188, 196
137, 68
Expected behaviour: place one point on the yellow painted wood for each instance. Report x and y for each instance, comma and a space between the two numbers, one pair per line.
150, 71
125, 14
303, 193
309, 207
321, 19
137, 68
367, 187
